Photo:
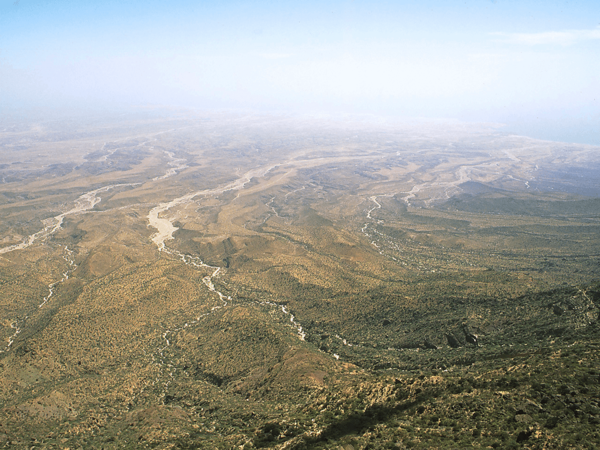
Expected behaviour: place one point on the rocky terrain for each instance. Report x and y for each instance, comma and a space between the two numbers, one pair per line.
190, 280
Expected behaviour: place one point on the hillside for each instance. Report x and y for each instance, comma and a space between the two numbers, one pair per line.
216, 281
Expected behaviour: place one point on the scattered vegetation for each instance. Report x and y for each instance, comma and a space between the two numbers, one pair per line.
373, 289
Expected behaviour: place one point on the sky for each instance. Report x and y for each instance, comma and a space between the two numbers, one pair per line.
532, 65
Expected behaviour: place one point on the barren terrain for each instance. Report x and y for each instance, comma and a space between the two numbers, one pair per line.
187, 280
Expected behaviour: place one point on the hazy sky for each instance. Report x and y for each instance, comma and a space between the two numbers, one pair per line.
534, 65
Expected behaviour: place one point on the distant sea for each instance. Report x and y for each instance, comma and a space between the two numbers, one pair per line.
583, 133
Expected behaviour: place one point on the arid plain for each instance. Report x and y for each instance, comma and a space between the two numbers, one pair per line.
173, 279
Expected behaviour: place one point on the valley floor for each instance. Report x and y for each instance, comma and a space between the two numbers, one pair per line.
256, 282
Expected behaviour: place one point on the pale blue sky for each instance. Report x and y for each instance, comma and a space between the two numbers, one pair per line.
534, 65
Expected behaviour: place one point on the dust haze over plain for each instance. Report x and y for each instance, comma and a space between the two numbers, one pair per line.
531, 65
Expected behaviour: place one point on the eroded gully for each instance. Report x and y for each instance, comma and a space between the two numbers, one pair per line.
165, 230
